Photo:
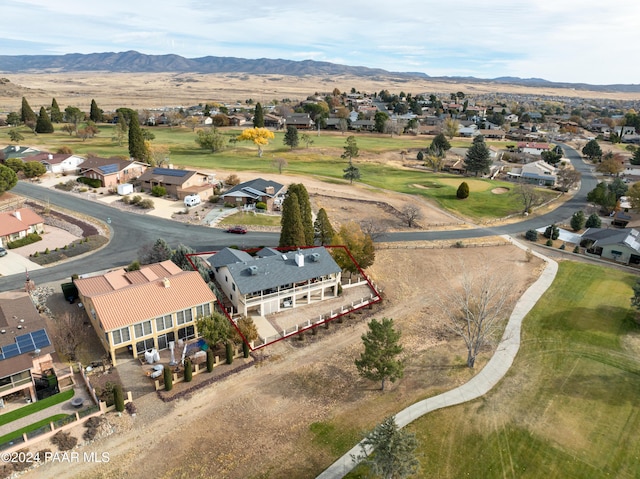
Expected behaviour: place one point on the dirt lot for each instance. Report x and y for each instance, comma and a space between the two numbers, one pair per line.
256, 424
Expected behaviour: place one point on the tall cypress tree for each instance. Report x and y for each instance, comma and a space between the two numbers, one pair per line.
43, 125
26, 113
292, 232
56, 114
258, 116
95, 114
306, 215
137, 148
324, 232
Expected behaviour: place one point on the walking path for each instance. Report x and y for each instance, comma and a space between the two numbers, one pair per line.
482, 382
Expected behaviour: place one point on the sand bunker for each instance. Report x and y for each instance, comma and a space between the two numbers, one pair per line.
500, 191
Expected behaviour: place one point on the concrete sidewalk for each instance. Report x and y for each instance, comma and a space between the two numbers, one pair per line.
482, 382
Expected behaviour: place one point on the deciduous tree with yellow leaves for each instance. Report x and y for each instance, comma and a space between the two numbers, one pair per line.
260, 136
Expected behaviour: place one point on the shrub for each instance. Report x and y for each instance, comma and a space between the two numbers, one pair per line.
158, 191
29, 239
213, 198
131, 408
232, 180
420, 156
260, 205
46, 251
552, 232
562, 246
146, 204
92, 182
245, 349
67, 186
118, 397
136, 199
229, 352
64, 441
134, 266
458, 244
463, 191
576, 249
549, 242
210, 360
83, 190
36, 254
168, 379
188, 371
531, 235
125, 199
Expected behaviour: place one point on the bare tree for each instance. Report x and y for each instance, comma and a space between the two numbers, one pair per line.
373, 228
69, 333
410, 214
568, 178
280, 163
476, 307
530, 197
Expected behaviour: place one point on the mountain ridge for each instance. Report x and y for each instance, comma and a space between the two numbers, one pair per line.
135, 62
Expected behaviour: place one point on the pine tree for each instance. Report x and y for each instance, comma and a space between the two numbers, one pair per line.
306, 215
379, 361
44, 125
478, 158
95, 114
351, 173
26, 113
577, 221
56, 114
291, 137
440, 143
324, 232
137, 148
292, 231
258, 116
635, 159
463, 191
593, 221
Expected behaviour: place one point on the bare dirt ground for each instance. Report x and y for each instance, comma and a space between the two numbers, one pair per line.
256, 423
155, 90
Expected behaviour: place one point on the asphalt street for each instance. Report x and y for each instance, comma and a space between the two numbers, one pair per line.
129, 231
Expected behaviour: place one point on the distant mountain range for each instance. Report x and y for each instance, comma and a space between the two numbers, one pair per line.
135, 62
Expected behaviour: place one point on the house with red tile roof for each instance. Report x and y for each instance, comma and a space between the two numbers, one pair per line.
18, 224
136, 311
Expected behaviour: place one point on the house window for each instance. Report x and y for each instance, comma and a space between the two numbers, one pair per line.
142, 329
233, 286
165, 339
226, 279
164, 322
145, 344
121, 336
186, 333
203, 310
185, 316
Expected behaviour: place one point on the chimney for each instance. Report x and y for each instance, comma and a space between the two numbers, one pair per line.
17, 215
299, 259
166, 282
270, 190
50, 156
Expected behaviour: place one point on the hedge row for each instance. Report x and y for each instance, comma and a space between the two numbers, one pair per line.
30, 238
92, 182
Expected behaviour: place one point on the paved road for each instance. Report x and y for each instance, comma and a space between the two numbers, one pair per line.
130, 231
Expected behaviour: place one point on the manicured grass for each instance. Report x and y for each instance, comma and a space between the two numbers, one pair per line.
35, 407
475, 185
32, 427
567, 408
337, 440
251, 220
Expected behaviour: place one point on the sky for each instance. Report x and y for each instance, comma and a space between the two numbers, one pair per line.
578, 41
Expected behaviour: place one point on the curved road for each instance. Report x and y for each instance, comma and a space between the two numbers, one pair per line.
129, 231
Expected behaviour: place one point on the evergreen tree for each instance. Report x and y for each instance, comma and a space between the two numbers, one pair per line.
291, 137
8, 179
635, 159
592, 150
440, 143
478, 159
95, 114
121, 130
577, 221
44, 125
393, 454
137, 148
306, 215
593, 221
463, 191
26, 113
379, 361
323, 230
258, 117
292, 231
154, 252
351, 173
351, 149
56, 114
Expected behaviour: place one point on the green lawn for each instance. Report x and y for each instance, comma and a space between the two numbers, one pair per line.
32, 427
250, 219
321, 160
568, 406
35, 407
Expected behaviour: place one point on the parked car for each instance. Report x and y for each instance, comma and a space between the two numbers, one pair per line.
239, 230
3, 252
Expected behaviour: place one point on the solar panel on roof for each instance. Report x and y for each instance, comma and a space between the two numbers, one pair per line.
170, 172
40, 338
108, 169
10, 351
25, 343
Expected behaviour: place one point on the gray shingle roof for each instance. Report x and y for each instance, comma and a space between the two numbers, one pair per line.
258, 274
228, 256
254, 188
610, 236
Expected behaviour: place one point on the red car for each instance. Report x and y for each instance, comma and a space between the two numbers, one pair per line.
239, 230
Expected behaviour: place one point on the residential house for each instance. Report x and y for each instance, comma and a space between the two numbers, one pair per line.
273, 280
273, 121
627, 134
302, 121
15, 151
26, 353
533, 148
18, 224
492, 133
254, 191
621, 245
468, 131
178, 183
57, 163
511, 118
136, 311
111, 171
537, 172
363, 125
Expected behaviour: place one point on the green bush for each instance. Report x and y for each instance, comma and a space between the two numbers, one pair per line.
146, 204
118, 397
245, 349
229, 351
531, 235
158, 191
213, 198
210, 360
562, 246
29, 239
576, 249
463, 191
92, 182
260, 205
46, 251
136, 199
168, 379
552, 232
549, 242
188, 370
